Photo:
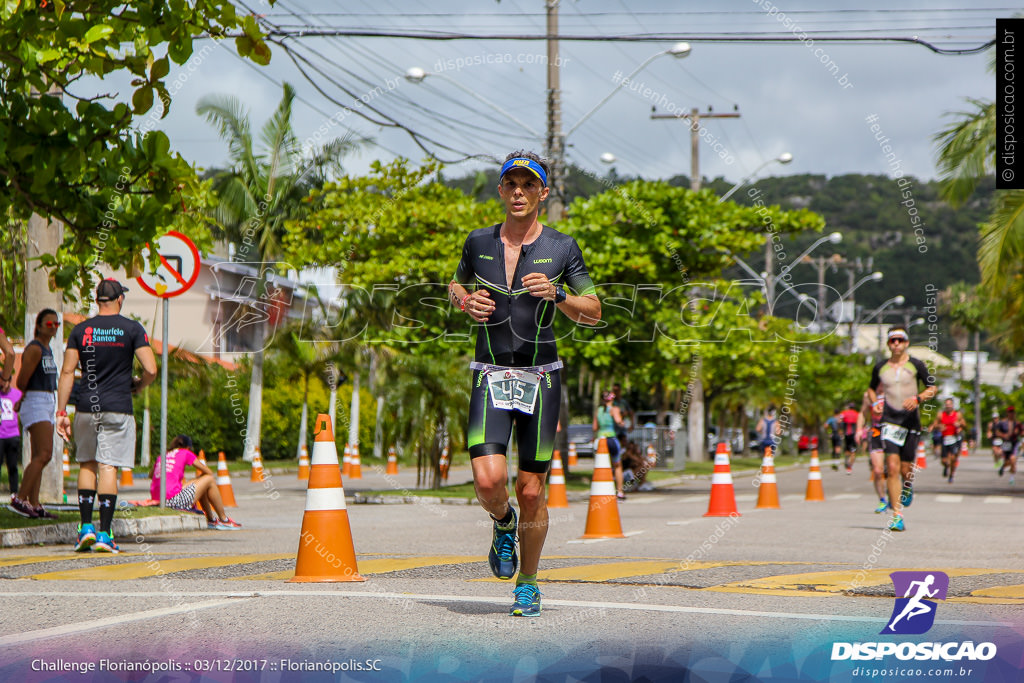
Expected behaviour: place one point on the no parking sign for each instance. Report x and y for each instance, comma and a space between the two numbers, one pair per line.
178, 269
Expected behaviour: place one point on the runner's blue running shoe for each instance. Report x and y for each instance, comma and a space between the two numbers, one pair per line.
883, 505
527, 602
86, 537
502, 555
105, 544
906, 496
897, 523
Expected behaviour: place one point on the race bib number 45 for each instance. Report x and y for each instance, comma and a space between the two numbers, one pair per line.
512, 389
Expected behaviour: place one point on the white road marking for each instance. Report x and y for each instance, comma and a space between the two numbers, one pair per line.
107, 622
232, 598
590, 541
681, 523
997, 499
848, 496
949, 498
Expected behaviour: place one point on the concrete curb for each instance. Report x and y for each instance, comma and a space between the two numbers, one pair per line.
67, 532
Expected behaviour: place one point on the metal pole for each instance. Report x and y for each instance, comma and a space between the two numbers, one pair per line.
555, 141
695, 150
163, 408
977, 388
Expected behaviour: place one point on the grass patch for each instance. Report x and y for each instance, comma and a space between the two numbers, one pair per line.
10, 520
740, 464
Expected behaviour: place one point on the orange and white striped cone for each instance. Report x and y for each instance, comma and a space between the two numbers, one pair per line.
556, 483
652, 456
346, 461
603, 514
326, 552
815, 491
573, 458
922, 460
964, 451
227, 493
256, 473
127, 479
355, 467
66, 463
444, 464
723, 497
768, 490
392, 461
202, 457
303, 464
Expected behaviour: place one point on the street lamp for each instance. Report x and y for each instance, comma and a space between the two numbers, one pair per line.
417, 75
834, 238
679, 50
898, 300
783, 158
875, 276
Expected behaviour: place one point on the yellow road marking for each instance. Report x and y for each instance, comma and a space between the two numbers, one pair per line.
831, 582
139, 570
381, 566
32, 559
610, 571
1016, 591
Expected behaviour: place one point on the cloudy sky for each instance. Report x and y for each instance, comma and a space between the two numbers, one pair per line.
483, 95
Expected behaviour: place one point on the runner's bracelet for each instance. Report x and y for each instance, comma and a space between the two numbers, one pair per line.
62, 413
462, 304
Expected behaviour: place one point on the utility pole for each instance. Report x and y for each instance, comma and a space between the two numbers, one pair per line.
695, 421
555, 144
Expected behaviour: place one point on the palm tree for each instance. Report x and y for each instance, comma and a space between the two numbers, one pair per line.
264, 188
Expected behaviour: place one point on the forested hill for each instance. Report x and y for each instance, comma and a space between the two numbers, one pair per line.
871, 211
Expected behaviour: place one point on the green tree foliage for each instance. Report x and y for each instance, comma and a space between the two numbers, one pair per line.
77, 157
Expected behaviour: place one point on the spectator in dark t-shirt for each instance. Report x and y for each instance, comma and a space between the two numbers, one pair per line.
105, 346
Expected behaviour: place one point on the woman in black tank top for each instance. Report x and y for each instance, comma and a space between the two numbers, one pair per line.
38, 379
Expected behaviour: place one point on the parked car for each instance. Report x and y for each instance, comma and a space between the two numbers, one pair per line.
583, 436
733, 436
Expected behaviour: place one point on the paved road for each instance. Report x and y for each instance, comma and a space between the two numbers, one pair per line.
767, 592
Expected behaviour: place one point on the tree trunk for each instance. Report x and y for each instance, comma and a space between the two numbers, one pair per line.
44, 238
255, 418
695, 429
304, 420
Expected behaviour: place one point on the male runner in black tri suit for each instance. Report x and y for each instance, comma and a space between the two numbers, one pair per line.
518, 272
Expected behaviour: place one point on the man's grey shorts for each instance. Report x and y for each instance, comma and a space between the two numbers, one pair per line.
107, 438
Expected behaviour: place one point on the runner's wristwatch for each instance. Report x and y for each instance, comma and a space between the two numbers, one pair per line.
560, 294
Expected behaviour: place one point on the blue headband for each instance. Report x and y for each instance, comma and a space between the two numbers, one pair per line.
526, 164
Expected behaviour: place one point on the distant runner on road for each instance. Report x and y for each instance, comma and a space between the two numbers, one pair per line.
897, 379
952, 424
511, 278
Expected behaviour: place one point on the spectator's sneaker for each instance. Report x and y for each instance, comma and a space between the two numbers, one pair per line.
86, 537
646, 486
906, 496
883, 505
105, 544
20, 507
502, 556
228, 524
897, 523
211, 525
43, 513
527, 602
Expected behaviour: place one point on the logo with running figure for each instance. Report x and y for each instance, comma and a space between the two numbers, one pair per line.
914, 613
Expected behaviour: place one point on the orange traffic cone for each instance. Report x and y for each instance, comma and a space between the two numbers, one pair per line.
346, 461
964, 451
355, 468
573, 461
652, 456
444, 464
66, 463
126, 477
815, 491
392, 461
556, 483
922, 460
201, 457
603, 514
768, 491
257, 466
723, 497
227, 494
326, 552
303, 464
